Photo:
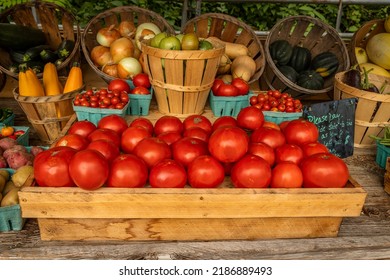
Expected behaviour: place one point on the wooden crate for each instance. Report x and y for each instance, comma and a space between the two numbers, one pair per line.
225, 213
387, 176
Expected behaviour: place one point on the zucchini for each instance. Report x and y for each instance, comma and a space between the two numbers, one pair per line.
20, 37
16, 56
48, 56
34, 52
65, 48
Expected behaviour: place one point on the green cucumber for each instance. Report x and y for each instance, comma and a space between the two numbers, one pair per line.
16, 56
20, 37
48, 56
34, 52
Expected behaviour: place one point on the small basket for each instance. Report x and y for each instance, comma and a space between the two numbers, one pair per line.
279, 117
57, 24
228, 105
382, 153
372, 111
11, 218
229, 29
8, 121
24, 138
181, 80
115, 16
363, 35
139, 104
312, 34
49, 115
95, 114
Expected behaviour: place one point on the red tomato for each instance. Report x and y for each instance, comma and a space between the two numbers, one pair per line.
51, 167
167, 173
324, 170
271, 125
152, 150
118, 84
141, 80
313, 148
197, 132
228, 143
262, 150
106, 148
272, 137
288, 152
104, 133
253, 100
89, 169
250, 118
185, 150
283, 125
83, 128
113, 122
132, 136
217, 83
300, 132
169, 137
168, 123
74, 141
205, 172
241, 85
226, 90
224, 121
198, 121
140, 90
127, 171
251, 172
286, 175
144, 122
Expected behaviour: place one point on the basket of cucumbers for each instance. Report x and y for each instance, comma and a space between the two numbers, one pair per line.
34, 33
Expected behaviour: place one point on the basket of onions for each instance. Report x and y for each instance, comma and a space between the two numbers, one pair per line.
111, 40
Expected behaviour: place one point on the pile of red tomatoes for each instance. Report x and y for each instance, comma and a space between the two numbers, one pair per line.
274, 100
173, 153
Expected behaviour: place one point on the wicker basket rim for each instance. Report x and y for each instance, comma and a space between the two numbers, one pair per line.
243, 25
54, 6
109, 12
279, 74
358, 92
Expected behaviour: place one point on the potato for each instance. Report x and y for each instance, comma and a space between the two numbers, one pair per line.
11, 198
7, 143
8, 186
3, 162
18, 159
3, 181
15, 148
5, 174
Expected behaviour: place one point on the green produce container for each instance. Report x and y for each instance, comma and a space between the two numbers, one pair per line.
94, 115
382, 153
279, 117
139, 104
8, 121
11, 216
228, 105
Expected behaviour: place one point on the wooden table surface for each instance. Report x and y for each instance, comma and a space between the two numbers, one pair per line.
363, 237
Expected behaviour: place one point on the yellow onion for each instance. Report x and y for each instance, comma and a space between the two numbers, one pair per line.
121, 48
127, 29
129, 67
106, 35
101, 55
111, 70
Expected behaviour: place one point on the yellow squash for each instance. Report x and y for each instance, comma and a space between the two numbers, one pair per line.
51, 82
75, 79
29, 84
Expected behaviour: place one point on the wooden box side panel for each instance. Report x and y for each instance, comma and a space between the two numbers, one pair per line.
187, 229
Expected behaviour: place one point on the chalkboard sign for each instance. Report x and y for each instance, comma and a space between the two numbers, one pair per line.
336, 123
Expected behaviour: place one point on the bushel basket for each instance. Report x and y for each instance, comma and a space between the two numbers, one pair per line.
309, 33
373, 109
57, 25
115, 16
181, 80
229, 29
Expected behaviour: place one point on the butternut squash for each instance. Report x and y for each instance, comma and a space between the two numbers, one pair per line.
51, 82
232, 50
224, 65
243, 67
75, 79
29, 84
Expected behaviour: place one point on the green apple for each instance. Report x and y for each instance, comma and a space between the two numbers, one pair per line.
180, 37
155, 41
205, 45
170, 43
